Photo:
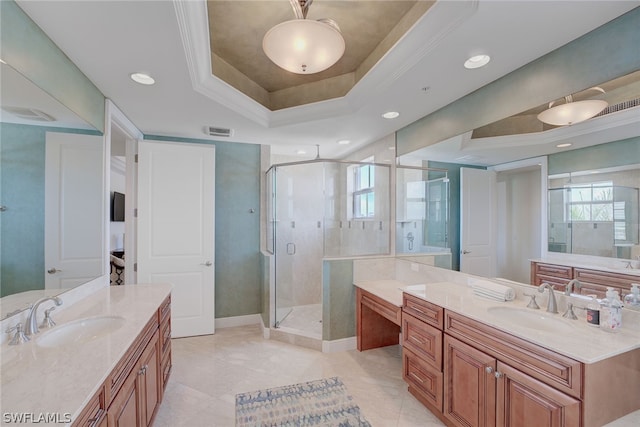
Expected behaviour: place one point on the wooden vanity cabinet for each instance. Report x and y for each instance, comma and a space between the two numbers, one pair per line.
594, 282
422, 350
134, 389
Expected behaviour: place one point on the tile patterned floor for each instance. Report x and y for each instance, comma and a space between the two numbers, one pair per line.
208, 371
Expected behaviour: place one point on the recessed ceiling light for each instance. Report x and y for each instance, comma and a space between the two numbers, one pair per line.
568, 144
344, 142
142, 78
301, 152
477, 61
390, 114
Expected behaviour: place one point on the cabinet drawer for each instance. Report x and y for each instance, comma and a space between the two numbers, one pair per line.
164, 312
553, 270
423, 310
165, 336
556, 370
422, 377
422, 339
95, 411
121, 371
166, 369
605, 278
382, 307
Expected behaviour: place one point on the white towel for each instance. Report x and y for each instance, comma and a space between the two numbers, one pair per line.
491, 290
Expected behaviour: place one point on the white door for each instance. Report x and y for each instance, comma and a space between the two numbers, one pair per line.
478, 222
74, 209
176, 229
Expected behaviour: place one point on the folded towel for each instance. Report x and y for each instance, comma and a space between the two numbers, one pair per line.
491, 290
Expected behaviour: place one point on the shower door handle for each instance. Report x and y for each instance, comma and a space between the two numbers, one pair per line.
291, 248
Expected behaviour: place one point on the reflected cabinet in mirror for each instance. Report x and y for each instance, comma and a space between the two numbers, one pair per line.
595, 212
52, 192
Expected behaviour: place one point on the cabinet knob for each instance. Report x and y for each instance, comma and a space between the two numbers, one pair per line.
488, 369
499, 375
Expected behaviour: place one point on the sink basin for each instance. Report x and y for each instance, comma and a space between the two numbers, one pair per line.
80, 331
538, 320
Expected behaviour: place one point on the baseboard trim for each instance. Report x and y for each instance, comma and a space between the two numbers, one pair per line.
231, 322
344, 344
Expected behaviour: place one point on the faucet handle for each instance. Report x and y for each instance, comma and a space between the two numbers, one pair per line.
532, 302
48, 322
19, 337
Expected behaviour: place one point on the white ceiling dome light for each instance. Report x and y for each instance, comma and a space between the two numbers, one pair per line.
572, 112
304, 46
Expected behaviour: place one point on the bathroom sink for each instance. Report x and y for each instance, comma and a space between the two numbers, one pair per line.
80, 331
540, 321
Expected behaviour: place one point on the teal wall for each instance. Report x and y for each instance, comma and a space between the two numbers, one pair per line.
619, 153
338, 300
27, 49
605, 53
237, 240
22, 163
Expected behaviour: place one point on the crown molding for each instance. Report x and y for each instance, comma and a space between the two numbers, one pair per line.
422, 38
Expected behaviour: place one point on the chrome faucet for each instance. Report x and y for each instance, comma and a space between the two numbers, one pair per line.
552, 307
32, 322
573, 284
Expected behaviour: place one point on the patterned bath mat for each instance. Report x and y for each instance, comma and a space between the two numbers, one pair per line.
322, 402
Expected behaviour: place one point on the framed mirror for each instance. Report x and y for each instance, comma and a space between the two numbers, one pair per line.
52, 196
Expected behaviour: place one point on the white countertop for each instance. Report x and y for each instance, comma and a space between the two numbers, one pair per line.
388, 290
61, 380
580, 341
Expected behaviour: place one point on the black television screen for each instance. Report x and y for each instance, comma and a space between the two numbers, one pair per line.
117, 207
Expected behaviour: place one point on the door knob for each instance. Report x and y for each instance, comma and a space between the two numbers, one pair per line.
207, 264
53, 270
466, 252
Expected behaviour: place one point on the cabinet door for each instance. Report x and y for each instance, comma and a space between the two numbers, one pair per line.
149, 383
125, 407
523, 401
469, 385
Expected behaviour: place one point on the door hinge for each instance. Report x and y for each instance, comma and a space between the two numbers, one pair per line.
135, 212
135, 158
135, 266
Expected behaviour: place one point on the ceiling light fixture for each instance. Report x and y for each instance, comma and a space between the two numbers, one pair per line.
304, 46
390, 114
572, 112
142, 78
477, 61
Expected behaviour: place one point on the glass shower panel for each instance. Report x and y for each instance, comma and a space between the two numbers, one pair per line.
559, 221
356, 209
422, 210
298, 211
625, 220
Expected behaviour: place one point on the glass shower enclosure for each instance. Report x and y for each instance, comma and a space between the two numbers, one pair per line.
317, 209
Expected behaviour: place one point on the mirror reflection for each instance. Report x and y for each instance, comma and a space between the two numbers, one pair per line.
52, 193
595, 212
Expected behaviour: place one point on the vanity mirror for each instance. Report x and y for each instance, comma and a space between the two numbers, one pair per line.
52, 196
595, 212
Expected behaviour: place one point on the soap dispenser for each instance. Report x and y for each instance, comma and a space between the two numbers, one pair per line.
634, 297
611, 314
593, 312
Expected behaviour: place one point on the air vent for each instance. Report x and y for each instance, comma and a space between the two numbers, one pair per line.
29, 114
215, 131
619, 107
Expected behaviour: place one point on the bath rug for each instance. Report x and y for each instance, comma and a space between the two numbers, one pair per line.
323, 402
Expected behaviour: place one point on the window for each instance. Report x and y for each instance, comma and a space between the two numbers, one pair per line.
363, 193
590, 202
